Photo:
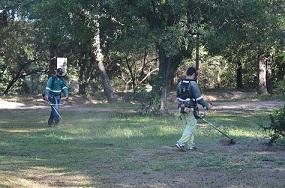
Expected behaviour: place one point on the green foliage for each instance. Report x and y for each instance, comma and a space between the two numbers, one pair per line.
277, 125
282, 56
148, 100
280, 86
277, 118
132, 35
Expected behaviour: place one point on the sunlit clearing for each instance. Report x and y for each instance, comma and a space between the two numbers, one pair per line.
124, 133
166, 130
134, 119
144, 131
61, 137
16, 131
90, 120
249, 134
41, 177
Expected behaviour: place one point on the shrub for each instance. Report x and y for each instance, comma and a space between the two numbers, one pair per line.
148, 100
277, 125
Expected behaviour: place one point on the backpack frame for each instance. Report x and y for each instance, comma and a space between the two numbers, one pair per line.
185, 89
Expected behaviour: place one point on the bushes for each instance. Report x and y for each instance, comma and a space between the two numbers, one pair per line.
277, 117
277, 125
148, 100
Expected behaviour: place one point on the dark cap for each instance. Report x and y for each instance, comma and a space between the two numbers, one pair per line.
60, 71
191, 71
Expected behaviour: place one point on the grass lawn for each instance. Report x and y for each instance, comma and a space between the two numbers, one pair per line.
123, 149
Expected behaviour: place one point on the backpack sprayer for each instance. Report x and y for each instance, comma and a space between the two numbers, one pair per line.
184, 106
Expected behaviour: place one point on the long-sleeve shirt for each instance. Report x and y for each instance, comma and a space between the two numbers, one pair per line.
194, 93
55, 86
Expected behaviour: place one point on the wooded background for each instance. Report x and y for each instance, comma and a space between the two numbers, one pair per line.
126, 45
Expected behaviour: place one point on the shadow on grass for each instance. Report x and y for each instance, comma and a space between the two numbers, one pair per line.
99, 149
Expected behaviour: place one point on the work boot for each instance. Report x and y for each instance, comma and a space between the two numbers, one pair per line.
192, 148
49, 123
180, 147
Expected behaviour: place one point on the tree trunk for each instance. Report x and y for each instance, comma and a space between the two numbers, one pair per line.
53, 63
108, 90
164, 78
261, 74
239, 76
81, 80
97, 52
197, 57
269, 77
131, 73
82, 87
17, 76
4, 18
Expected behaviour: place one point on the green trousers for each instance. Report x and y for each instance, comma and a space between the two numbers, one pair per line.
189, 122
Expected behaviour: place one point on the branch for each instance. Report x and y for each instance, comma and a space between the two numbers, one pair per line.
147, 76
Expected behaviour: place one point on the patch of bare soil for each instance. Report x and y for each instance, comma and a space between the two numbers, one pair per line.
249, 163
246, 164
77, 102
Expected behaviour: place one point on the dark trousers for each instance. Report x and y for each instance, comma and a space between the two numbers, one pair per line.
54, 114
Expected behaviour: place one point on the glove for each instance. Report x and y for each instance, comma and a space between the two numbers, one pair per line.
209, 106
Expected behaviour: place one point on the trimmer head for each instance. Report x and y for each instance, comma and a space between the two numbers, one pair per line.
227, 142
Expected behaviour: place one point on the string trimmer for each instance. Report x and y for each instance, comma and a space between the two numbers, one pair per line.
56, 110
228, 141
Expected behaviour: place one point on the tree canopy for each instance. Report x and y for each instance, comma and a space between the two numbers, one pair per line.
121, 45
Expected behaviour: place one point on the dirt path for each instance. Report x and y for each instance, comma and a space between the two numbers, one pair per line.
83, 104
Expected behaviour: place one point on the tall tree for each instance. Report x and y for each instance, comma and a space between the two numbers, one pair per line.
72, 22
97, 52
168, 31
18, 48
241, 26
